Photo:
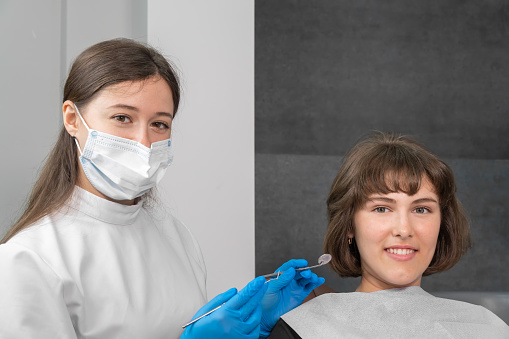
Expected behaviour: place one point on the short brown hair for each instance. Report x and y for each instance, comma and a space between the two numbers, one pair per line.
385, 163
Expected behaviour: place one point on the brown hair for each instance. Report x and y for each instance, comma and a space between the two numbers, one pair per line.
99, 66
385, 163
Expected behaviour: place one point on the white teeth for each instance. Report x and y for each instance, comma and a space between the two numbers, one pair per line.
400, 251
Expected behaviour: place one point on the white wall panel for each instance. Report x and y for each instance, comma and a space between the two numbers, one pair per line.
210, 186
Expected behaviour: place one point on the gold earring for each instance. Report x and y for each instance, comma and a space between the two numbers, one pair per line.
350, 241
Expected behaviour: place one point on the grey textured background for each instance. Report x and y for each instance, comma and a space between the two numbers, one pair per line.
329, 71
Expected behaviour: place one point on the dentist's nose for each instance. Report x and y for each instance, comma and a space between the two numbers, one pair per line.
143, 138
402, 226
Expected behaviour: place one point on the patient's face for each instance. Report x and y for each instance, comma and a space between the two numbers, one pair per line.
396, 235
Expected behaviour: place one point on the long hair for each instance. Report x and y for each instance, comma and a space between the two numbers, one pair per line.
385, 163
99, 66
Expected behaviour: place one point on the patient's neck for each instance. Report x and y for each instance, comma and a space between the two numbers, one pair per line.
373, 285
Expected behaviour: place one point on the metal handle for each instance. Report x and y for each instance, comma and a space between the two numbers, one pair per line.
201, 316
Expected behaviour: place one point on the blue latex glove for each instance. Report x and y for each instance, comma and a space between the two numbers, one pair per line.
286, 293
239, 317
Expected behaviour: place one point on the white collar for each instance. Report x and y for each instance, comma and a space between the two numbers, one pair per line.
102, 209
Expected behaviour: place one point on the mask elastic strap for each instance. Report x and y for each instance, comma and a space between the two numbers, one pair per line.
84, 123
76, 141
83, 120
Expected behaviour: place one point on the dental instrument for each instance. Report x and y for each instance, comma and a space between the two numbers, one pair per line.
322, 260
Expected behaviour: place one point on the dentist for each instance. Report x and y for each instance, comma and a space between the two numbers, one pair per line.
94, 255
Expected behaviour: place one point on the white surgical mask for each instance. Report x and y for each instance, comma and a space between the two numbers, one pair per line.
123, 169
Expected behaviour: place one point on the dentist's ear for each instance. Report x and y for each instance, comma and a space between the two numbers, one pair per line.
70, 117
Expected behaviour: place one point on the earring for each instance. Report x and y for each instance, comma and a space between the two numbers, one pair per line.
350, 241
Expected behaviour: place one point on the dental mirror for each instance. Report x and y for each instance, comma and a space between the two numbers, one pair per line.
322, 260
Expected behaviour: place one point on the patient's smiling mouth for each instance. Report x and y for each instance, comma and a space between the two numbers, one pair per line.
400, 251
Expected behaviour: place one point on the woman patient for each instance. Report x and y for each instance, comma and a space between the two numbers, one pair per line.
393, 218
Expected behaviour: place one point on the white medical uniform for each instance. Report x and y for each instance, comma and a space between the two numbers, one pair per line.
99, 269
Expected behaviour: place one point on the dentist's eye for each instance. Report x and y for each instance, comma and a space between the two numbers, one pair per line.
122, 118
161, 125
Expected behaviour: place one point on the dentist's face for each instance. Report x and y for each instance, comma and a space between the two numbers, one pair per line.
396, 235
141, 111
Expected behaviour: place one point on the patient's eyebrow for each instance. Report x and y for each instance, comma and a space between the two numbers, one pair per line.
384, 199
392, 201
422, 200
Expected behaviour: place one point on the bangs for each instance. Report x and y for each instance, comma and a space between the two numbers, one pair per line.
389, 170
385, 182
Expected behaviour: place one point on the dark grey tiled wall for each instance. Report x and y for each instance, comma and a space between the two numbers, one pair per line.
329, 71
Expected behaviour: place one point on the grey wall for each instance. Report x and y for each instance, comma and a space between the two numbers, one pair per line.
30, 80
329, 71
38, 41
214, 144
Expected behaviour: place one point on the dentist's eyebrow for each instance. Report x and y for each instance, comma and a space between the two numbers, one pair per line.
165, 114
135, 109
129, 107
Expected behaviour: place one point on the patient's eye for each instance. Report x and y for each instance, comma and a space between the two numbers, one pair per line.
421, 210
381, 209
